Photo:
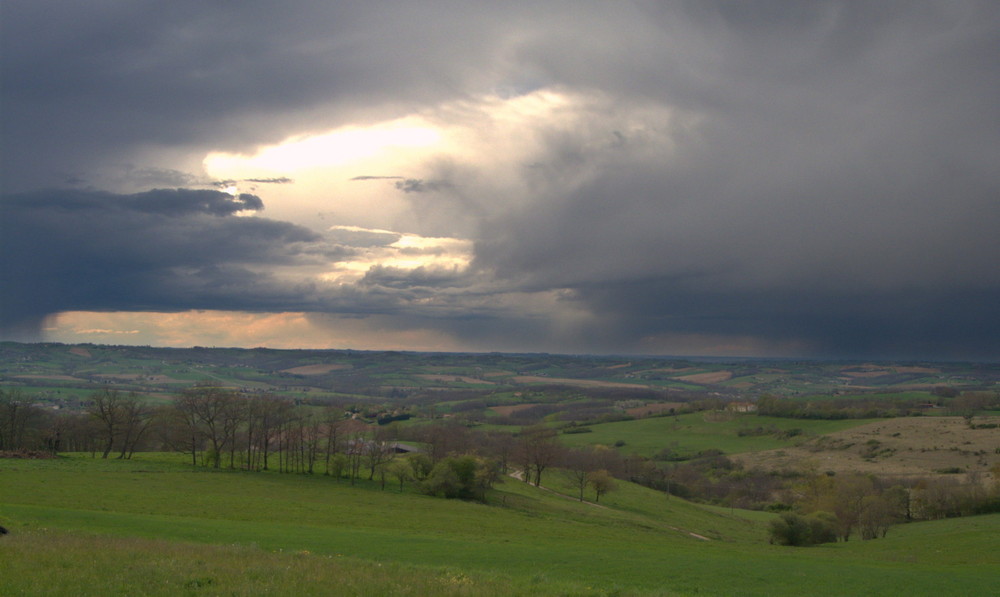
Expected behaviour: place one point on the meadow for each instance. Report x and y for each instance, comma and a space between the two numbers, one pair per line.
153, 525
688, 434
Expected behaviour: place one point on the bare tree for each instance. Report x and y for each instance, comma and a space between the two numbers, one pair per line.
17, 418
213, 410
577, 464
446, 439
538, 449
272, 416
107, 407
184, 431
500, 446
850, 492
332, 425
356, 441
378, 451
136, 418
877, 515
312, 436
253, 410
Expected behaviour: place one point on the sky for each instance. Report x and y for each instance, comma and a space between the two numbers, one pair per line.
713, 178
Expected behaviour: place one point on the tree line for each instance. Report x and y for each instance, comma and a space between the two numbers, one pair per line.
863, 406
220, 428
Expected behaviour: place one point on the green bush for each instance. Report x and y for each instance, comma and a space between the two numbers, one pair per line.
465, 477
801, 531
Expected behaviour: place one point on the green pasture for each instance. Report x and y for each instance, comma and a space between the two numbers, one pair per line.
689, 434
51, 391
83, 565
524, 541
909, 395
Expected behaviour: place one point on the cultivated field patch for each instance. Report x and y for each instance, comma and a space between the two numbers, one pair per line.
712, 377
505, 411
453, 378
654, 408
583, 383
911, 446
53, 377
316, 369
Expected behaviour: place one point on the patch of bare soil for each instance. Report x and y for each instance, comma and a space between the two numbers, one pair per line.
80, 351
316, 369
876, 373
910, 446
496, 373
55, 377
917, 370
583, 383
713, 377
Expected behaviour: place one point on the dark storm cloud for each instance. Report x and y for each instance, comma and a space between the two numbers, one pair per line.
827, 176
159, 177
838, 189
88, 84
897, 323
164, 249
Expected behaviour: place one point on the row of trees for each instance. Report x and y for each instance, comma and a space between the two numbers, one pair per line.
221, 428
26, 427
862, 406
218, 428
833, 508
21, 423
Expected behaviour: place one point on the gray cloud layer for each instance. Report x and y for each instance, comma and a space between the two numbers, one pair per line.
830, 179
164, 249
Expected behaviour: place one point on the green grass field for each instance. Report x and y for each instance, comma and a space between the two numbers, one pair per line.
154, 526
691, 433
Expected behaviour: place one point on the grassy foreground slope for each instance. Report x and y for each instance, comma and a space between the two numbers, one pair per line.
126, 520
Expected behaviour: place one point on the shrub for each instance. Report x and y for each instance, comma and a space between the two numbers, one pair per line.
801, 531
791, 529
465, 477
